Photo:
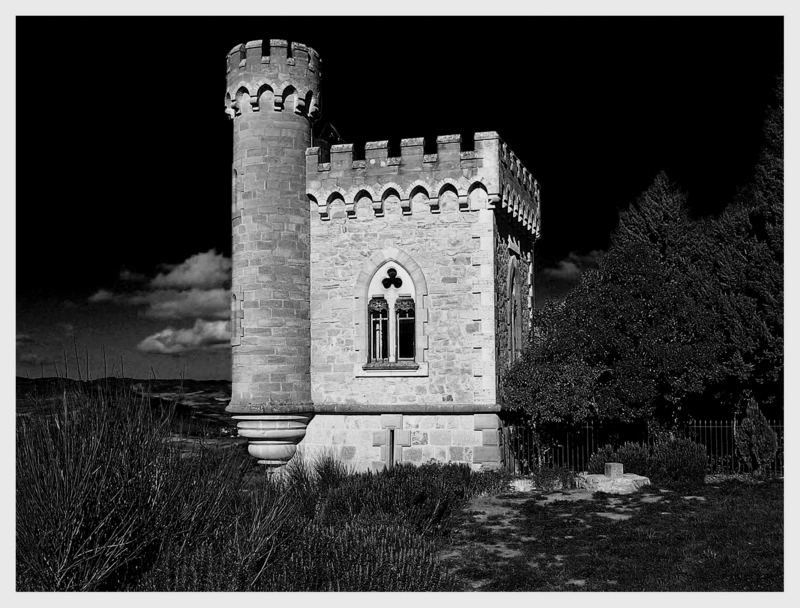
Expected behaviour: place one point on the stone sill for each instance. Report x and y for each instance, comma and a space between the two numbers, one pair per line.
388, 370
410, 365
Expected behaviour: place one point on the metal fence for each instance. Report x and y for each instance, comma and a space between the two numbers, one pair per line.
571, 448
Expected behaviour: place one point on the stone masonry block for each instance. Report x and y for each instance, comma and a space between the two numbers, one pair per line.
419, 438
490, 437
466, 438
379, 438
456, 454
482, 454
439, 437
412, 455
486, 421
402, 438
392, 421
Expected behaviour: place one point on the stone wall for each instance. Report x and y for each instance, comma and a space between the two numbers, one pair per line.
452, 251
429, 213
360, 441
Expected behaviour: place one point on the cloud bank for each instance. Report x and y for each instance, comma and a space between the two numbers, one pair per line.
572, 267
203, 270
195, 290
204, 334
192, 303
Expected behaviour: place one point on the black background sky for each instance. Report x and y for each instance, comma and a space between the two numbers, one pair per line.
124, 151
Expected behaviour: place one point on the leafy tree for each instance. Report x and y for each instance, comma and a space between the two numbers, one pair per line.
630, 341
679, 314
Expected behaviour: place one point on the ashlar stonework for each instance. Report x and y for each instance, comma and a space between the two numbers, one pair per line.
375, 301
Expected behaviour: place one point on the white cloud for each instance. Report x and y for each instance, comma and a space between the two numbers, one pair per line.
193, 289
203, 335
570, 268
193, 303
101, 295
202, 270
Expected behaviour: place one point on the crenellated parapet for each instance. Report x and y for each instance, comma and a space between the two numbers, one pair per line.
489, 176
273, 75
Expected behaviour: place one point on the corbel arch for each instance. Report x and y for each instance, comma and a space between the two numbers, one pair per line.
386, 190
448, 183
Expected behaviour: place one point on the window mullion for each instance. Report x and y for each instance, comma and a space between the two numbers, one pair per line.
392, 332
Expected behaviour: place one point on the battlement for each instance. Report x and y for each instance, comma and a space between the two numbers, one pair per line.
276, 52
489, 176
273, 75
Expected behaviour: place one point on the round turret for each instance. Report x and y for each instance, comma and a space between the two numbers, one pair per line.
272, 98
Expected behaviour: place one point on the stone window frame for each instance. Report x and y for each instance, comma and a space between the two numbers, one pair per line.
361, 316
515, 333
392, 295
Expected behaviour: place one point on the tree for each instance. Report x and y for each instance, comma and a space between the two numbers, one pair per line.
629, 342
679, 319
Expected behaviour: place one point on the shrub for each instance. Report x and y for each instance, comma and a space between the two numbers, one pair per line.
756, 442
634, 456
357, 556
553, 478
235, 555
663, 462
109, 498
422, 498
678, 460
100, 486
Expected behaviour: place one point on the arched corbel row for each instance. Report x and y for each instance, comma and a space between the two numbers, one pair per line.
305, 102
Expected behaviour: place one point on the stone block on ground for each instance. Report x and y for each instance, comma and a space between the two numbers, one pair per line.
626, 484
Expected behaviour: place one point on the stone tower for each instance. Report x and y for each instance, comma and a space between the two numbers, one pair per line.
272, 98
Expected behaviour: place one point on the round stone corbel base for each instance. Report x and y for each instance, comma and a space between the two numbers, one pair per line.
272, 438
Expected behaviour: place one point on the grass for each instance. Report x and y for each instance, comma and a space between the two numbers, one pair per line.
723, 537
107, 499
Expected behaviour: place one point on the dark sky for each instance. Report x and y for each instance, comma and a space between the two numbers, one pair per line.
124, 150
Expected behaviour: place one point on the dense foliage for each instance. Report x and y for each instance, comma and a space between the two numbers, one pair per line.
664, 462
756, 442
681, 317
109, 497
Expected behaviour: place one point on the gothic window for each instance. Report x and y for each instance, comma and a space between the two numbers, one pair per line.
391, 319
378, 330
514, 313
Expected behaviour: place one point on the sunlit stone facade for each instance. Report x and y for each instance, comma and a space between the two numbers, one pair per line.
376, 300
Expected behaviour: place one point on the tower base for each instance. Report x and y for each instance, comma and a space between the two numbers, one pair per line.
272, 438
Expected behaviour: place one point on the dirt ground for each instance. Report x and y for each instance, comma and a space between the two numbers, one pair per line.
653, 539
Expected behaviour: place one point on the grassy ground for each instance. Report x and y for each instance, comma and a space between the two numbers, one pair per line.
115, 492
725, 536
